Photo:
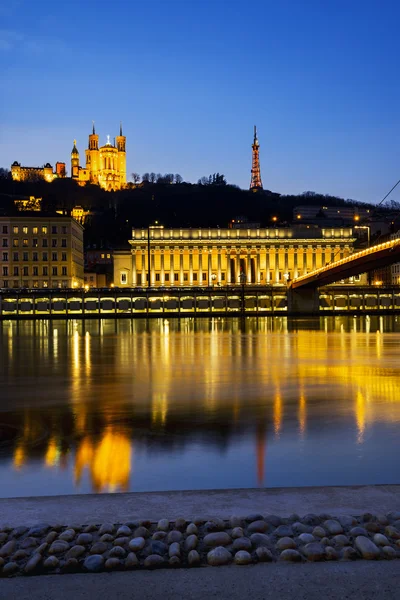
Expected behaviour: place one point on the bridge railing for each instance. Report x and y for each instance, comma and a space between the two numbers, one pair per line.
342, 261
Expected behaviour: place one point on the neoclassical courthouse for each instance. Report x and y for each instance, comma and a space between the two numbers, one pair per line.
208, 257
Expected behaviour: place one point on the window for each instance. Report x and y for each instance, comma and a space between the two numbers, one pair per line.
64, 229
54, 256
25, 256
54, 243
54, 271
157, 276
45, 271
5, 284
5, 228
5, 243
64, 243
15, 229
44, 229
35, 243
34, 230
54, 229
64, 256
16, 271
64, 271
5, 256
35, 284
45, 284
25, 271
15, 256
101, 255
44, 243
5, 271
35, 257
64, 283
123, 278
204, 276
194, 276
25, 242
108, 255
166, 276
25, 283
176, 277
35, 271
25, 230
45, 256
91, 278
15, 283
223, 276
15, 243
185, 277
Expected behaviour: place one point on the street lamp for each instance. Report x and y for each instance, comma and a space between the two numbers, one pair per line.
213, 278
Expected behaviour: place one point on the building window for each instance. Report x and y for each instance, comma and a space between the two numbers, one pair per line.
5, 284
25, 230
108, 255
185, 277
45, 284
15, 229
54, 229
16, 272
64, 256
64, 229
54, 271
157, 276
44, 229
35, 257
101, 255
35, 243
15, 243
25, 243
222, 276
64, 271
166, 276
64, 283
124, 278
44, 243
204, 276
15, 283
54, 243
35, 284
45, 256
25, 283
64, 243
5, 271
25, 256
45, 271
35, 271
54, 256
194, 276
34, 230
5, 228
15, 256
5, 243
176, 277
25, 271
5, 256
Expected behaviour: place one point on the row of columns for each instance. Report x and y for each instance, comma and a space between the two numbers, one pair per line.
329, 254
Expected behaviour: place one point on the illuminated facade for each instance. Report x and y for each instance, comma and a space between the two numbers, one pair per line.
105, 166
255, 183
40, 252
219, 257
46, 172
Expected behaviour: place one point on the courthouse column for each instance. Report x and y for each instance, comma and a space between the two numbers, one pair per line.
258, 279
133, 268
181, 266
171, 267
190, 267
209, 266
200, 266
162, 276
219, 266
248, 266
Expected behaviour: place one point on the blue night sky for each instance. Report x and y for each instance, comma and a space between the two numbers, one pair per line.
190, 78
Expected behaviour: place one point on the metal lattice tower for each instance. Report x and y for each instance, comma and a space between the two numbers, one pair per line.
256, 183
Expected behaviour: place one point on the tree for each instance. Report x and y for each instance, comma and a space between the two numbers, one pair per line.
153, 177
215, 179
178, 179
146, 177
135, 177
5, 173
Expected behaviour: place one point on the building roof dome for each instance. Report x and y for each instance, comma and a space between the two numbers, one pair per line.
15, 164
75, 149
48, 166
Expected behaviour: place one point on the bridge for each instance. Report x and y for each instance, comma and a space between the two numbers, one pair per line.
302, 291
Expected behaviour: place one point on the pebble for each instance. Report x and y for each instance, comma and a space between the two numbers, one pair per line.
98, 548
141, 532
389, 552
8, 548
199, 521
131, 561
174, 561
3, 537
242, 558
314, 551
290, 555
220, 538
191, 542
349, 553
42, 548
29, 542
260, 539
347, 521
58, 547
286, 543
341, 540
159, 535
394, 516
158, 548
237, 532
306, 538
70, 566
67, 535
311, 519
219, 556
90, 528
163, 525
94, 563
381, 540
39, 530
273, 520
283, 531
117, 551
325, 541
192, 529
264, 554
193, 558
300, 528
106, 528
50, 537
84, 539
235, 521
242, 543
9, 569
383, 520
107, 537
153, 561
174, 549
174, 536
392, 532
333, 527
366, 517
358, 531
51, 562
33, 563
319, 532
214, 525
180, 524
373, 527
112, 563
294, 518
137, 544
258, 527
18, 531
121, 541
330, 553
367, 548
19, 555
75, 552
123, 531
145, 523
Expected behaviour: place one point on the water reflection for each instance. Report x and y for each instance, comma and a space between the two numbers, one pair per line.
198, 403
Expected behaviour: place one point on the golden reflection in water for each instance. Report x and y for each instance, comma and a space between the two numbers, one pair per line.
19, 457
159, 408
360, 416
302, 413
52, 457
277, 413
108, 461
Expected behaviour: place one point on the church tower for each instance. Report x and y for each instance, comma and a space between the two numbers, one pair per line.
92, 156
75, 162
255, 183
121, 147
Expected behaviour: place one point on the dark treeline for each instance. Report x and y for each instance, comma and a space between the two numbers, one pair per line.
209, 203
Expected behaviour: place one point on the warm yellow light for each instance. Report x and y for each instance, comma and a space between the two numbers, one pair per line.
356, 217
274, 218
112, 285
378, 282
299, 216
86, 287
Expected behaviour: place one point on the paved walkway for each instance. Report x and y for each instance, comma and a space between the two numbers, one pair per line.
363, 580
